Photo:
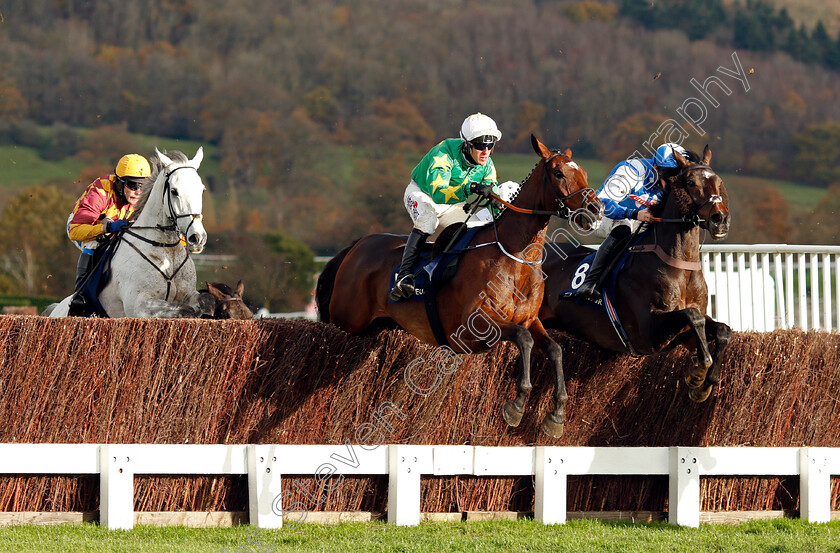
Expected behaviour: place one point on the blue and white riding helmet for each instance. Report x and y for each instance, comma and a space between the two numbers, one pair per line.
664, 156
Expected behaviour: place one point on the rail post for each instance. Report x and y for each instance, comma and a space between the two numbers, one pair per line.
550, 484
684, 488
814, 485
116, 487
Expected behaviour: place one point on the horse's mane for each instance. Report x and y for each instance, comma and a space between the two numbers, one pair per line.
157, 166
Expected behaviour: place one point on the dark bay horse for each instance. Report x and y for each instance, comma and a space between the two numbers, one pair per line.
661, 297
499, 284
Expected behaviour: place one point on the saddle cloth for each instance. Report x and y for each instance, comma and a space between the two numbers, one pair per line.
608, 290
438, 270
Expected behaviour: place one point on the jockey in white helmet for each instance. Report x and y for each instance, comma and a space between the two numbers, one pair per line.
446, 177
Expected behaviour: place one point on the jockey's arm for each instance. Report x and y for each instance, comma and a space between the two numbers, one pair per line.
615, 192
86, 223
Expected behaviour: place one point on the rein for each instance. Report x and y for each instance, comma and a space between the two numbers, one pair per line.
562, 210
168, 228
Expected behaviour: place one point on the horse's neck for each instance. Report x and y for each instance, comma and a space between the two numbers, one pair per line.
676, 239
516, 230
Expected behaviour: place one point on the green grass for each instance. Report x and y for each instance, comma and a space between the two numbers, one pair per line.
509, 536
21, 167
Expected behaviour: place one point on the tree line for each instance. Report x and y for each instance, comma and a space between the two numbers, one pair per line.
285, 89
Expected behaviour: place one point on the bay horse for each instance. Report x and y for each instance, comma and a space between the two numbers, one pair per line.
151, 266
500, 282
661, 297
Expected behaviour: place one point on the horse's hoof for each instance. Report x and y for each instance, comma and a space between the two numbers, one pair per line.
699, 395
512, 415
693, 381
552, 428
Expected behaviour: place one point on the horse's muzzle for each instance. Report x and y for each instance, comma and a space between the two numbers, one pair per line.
196, 241
718, 225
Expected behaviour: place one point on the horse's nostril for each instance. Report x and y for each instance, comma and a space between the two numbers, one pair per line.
717, 218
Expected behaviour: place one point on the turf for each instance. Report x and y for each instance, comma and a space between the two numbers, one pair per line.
507, 536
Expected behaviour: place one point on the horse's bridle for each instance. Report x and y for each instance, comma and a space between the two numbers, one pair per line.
173, 227
693, 219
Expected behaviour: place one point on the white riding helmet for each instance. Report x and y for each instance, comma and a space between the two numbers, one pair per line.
481, 128
664, 156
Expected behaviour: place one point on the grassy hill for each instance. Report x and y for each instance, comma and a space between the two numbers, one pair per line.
21, 167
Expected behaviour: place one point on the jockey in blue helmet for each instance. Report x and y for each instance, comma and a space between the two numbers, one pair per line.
629, 192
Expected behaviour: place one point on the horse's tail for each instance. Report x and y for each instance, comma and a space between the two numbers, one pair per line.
326, 282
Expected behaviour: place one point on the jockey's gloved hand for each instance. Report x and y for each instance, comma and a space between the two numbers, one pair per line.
483, 190
116, 226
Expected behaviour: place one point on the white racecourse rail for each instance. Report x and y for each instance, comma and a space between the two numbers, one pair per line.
763, 287
266, 465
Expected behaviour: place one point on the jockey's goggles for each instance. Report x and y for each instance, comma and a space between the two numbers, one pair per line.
132, 184
482, 145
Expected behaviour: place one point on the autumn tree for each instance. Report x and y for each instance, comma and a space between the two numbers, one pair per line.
817, 159
277, 270
36, 253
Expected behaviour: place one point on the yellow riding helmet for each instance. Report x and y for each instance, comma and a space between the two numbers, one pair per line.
133, 165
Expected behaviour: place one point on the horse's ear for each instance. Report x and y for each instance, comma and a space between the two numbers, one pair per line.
707, 155
199, 155
162, 157
540, 148
218, 294
568, 153
682, 163
240, 289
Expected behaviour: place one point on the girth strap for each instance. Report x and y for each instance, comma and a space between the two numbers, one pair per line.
668, 259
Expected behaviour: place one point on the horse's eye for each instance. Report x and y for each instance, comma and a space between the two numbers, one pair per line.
175, 192
558, 174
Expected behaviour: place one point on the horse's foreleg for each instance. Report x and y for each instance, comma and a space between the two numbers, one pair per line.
717, 336
690, 325
554, 422
515, 408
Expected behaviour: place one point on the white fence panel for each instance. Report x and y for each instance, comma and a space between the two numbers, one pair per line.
764, 287
265, 465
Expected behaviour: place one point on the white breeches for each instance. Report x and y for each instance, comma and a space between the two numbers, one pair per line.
607, 225
432, 218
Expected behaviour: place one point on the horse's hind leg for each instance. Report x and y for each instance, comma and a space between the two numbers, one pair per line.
554, 422
686, 326
514, 409
717, 336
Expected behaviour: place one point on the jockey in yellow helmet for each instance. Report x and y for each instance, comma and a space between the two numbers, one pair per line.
105, 208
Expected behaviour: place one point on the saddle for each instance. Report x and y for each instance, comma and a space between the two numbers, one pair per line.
437, 265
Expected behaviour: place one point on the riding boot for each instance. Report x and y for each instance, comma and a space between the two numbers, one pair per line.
404, 286
78, 305
590, 289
